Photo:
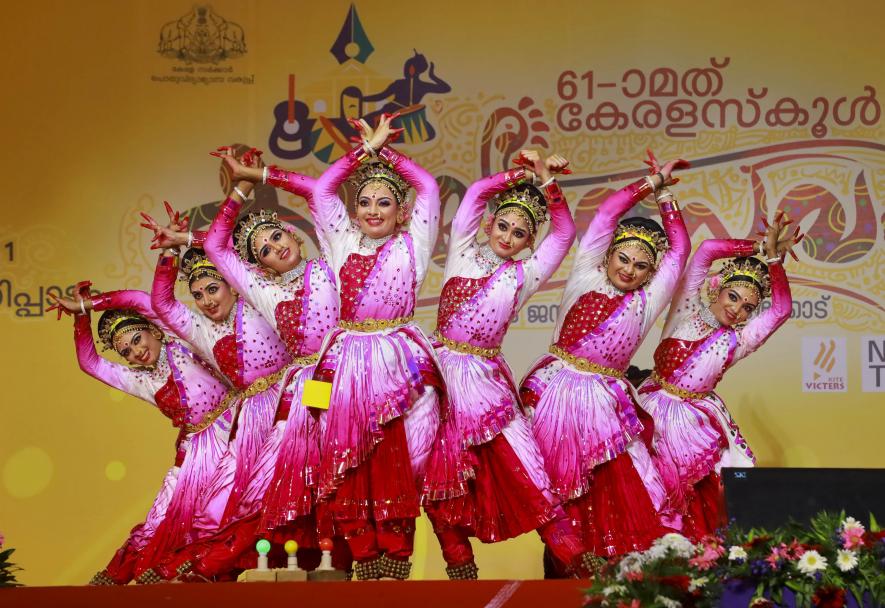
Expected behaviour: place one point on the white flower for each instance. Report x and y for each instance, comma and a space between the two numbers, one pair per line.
614, 589
846, 560
736, 552
656, 551
696, 583
680, 545
630, 564
666, 602
811, 562
852, 524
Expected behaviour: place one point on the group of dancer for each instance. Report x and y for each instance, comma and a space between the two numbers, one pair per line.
596, 466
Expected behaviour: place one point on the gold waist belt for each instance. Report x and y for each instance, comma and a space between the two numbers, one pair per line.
585, 365
259, 385
675, 390
374, 324
469, 349
306, 360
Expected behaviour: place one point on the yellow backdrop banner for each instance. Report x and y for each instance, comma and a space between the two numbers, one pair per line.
110, 108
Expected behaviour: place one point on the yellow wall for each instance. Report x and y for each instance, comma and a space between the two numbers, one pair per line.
90, 138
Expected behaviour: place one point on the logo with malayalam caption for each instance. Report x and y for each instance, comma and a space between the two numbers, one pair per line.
199, 43
824, 365
202, 36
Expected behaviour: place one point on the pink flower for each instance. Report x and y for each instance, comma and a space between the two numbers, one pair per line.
633, 576
852, 538
706, 559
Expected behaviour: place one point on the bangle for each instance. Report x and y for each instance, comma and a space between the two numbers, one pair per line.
242, 196
661, 175
190, 238
368, 148
264, 175
649, 181
774, 260
548, 182
662, 193
83, 306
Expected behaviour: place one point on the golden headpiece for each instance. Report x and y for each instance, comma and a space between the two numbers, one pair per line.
651, 241
380, 172
526, 202
247, 228
116, 323
195, 265
746, 272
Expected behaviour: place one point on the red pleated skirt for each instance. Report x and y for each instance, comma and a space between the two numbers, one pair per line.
616, 515
705, 509
502, 501
381, 488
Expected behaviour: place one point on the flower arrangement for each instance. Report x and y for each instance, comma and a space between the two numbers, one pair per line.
7, 568
820, 563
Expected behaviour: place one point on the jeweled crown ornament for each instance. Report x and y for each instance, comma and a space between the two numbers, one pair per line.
652, 241
746, 273
380, 172
119, 322
195, 265
244, 237
527, 203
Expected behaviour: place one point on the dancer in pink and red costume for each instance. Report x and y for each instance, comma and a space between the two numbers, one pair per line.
383, 414
234, 336
585, 419
166, 373
486, 477
261, 258
695, 436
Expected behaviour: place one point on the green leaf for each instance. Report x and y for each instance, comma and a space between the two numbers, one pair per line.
874, 525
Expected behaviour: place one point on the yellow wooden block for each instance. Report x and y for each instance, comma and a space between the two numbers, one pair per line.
316, 394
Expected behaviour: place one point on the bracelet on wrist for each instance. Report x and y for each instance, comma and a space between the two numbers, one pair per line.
264, 172
241, 195
550, 181
83, 306
774, 260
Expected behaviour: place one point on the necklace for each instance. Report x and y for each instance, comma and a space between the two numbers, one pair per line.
708, 317
488, 259
367, 242
291, 275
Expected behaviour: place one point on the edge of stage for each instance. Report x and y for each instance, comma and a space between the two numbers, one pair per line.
366, 594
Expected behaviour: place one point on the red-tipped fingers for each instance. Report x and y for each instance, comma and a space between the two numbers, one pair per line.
793, 255
394, 116
681, 163
760, 233
765, 223
148, 226
674, 181
217, 154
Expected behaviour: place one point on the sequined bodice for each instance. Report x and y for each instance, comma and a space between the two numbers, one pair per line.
190, 389
169, 402
289, 323
353, 275
225, 351
585, 315
456, 292
671, 353
695, 365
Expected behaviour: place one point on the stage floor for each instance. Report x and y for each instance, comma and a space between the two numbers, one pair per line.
362, 594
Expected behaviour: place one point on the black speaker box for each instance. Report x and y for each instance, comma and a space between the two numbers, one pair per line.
770, 497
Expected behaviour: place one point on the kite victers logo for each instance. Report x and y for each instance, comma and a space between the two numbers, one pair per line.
202, 36
824, 365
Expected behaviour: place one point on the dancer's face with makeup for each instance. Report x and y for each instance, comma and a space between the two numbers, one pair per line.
376, 210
